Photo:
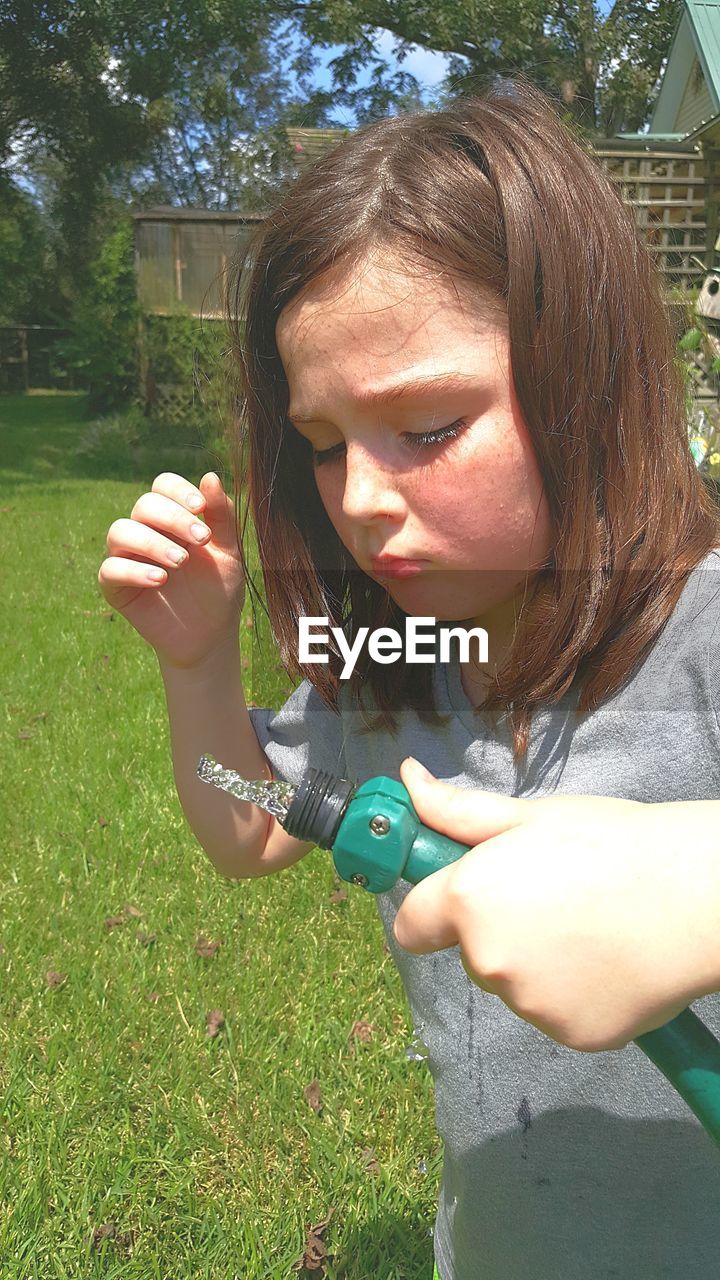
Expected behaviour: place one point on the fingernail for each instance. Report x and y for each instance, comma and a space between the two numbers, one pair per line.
418, 768
194, 501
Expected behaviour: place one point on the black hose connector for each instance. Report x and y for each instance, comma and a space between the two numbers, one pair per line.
318, 807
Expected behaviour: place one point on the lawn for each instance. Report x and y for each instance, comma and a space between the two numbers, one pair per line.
135, 1143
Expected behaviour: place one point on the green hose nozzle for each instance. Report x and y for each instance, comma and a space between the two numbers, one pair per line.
380, 839
376, 838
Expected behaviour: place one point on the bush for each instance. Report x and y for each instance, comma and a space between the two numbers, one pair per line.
184, 372
102, 346
131, 446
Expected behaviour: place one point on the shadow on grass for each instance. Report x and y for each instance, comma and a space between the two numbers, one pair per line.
50, 437
386, 1247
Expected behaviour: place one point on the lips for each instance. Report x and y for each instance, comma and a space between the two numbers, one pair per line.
396, 567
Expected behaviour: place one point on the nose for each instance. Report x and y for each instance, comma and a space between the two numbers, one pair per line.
371, 490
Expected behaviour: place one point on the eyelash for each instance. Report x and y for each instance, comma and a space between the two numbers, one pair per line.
423, 440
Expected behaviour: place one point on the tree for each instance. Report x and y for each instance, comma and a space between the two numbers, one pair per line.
27, 269
95, 87
223, 143
603, 68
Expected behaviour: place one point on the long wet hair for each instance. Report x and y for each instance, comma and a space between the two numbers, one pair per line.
498, 191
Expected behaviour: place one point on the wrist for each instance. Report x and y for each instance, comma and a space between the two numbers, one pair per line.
223, 662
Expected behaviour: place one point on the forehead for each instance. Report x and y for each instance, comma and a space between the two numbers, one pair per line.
381, 308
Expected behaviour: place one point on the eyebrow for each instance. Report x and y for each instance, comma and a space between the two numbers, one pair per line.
405, 390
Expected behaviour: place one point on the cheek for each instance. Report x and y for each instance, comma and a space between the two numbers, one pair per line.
491, 505
330, 488
330, 484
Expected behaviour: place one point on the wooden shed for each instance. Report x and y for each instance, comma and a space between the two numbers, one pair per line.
181, 258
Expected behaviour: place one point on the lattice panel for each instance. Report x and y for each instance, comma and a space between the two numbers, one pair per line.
666, 191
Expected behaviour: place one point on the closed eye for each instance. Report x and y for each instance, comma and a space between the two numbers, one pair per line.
417, 439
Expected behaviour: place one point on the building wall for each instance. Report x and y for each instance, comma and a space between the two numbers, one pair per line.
696, 104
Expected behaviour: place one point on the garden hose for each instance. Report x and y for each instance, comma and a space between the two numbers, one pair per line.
376, 838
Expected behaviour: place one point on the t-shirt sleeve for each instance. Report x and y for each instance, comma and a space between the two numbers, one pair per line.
303, 734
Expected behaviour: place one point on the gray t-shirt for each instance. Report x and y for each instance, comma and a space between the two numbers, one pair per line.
558, 1165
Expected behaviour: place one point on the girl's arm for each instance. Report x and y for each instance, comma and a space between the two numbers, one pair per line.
208, 714
191, 617
595, 919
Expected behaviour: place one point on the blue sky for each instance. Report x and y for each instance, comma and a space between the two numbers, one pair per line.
428, 68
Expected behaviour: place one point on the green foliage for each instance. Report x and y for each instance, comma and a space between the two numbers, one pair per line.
27, 295
701, 369
129, 445
602, 67
103, 341
111, 445
691, 341
185, 373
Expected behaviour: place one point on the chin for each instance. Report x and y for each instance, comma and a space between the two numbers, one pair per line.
455, 595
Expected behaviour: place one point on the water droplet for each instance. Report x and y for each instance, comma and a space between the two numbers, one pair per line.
417, 1050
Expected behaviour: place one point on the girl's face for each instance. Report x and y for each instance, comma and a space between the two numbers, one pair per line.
400, 381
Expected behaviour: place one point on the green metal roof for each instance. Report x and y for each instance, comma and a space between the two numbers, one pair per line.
697, 34
704, 18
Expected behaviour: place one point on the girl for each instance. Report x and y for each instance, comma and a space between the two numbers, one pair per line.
461, 401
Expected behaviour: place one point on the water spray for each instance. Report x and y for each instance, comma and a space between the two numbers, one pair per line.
376, 839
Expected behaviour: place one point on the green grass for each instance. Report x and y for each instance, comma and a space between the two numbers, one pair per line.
200, 1156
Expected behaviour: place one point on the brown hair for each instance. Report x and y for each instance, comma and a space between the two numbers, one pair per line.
497, 190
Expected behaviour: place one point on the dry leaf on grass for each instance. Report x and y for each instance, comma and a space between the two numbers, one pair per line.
362, 1031
315, 1253
205, 948
109, 1231
215, 1022
370, 1163
128, 912
55, 979
311, 1093
339, 895
146, 939
106, 1231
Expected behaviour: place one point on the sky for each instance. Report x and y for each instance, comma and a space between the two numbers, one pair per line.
428, 68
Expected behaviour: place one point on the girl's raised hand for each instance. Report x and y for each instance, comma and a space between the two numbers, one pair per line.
193, 609
594, 919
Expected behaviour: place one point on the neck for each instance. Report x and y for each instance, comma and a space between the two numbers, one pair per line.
500, 622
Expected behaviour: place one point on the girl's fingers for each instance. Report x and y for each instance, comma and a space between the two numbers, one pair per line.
155, 511
117, 573
180, 490
219, 511
147, 544
466, 815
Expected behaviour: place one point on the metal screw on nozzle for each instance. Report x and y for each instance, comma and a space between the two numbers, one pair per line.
359, 880
379, 825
